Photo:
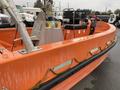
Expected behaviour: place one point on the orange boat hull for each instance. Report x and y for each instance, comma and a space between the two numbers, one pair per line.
25, 71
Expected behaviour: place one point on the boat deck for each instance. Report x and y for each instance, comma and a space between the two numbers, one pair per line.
107, 75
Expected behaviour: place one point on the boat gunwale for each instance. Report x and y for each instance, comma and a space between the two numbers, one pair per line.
58, 45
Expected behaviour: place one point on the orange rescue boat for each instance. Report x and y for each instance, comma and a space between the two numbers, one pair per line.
56, 65
65, 58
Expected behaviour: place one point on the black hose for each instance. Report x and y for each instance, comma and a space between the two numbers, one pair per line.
63, 76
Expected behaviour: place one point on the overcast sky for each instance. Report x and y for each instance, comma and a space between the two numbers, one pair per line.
100, 5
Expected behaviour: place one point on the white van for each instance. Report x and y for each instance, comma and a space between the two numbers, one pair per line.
114, 19
31, 10
28, 18
4, 21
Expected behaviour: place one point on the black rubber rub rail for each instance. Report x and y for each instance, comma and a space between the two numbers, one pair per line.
63, 76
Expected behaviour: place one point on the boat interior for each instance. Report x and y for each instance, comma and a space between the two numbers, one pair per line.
11, 40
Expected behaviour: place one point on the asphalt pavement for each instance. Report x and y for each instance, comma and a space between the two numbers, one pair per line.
107, 75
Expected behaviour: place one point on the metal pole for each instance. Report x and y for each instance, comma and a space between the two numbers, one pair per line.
27, 4
10, 7
44, 5
59, 5
68, 5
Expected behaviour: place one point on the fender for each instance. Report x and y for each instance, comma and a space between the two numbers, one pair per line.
63, 76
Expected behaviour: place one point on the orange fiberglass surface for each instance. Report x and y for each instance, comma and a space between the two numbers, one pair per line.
55, 66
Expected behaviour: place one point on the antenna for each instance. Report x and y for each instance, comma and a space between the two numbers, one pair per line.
59, 5
68, 5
